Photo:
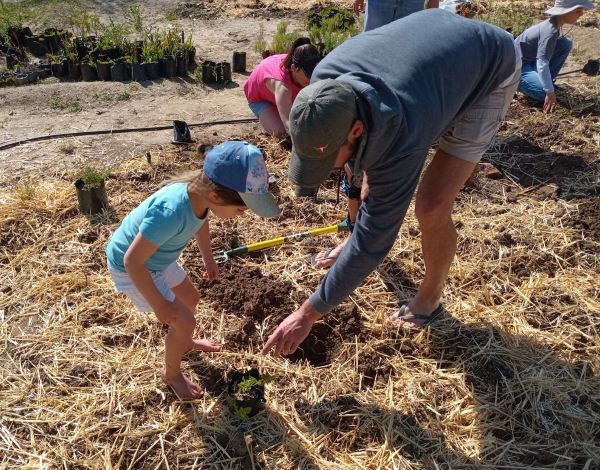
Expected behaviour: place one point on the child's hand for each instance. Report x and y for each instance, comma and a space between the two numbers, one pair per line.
212, 269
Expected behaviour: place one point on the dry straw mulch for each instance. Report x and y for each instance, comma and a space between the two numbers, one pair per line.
507, 379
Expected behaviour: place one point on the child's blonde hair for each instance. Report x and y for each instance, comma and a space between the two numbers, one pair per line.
201, 184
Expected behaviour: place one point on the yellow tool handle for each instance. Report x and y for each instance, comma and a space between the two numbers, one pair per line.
297, 236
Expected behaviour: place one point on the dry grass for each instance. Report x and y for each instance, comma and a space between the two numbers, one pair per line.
509, 379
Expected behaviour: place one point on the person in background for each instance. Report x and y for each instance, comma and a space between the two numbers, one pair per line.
274, 83
545, 51
142, 253
382, 12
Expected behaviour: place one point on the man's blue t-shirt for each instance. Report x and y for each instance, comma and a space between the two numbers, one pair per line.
166, 219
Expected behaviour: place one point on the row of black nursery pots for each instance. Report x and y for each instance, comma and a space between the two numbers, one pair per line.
213, 72
50, 41
120, 71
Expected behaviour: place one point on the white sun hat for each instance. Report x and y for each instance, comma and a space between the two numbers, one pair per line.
566, 6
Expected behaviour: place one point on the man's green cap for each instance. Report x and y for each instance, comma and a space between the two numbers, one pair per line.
320, 120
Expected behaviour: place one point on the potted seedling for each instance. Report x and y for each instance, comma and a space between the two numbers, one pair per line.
89, 72
103, 66
171, 44
246, 393
91, 190
58, 65
190, 49
120, 71
209, 71
70, 54
151, 55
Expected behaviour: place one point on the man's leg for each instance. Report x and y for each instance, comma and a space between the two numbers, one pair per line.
441, 182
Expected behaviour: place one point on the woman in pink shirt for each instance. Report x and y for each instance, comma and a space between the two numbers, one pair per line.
273, 85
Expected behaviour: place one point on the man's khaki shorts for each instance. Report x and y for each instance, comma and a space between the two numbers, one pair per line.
475, 132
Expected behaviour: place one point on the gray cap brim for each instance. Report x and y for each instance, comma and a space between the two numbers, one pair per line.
310, 172
261, 204
555, 11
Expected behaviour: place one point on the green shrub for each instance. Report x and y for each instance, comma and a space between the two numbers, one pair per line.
260, 45
282, 41
331, 33
84, 23
514, 17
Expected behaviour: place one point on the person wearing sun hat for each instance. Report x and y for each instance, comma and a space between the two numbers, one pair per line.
545, 50
450, 79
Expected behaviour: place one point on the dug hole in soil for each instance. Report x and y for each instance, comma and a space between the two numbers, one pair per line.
256, 303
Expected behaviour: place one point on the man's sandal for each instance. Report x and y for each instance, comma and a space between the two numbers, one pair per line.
313, 258
427, 319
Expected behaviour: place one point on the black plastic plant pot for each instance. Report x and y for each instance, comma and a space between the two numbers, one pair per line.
120, 72
37, 45
59, 70
89, 73
74, 70
111, 53
182, 65
239, 62
209, 72
103, 69
18, 34
191, 53
245, 401
168, 67
91, 200
225, 72
138, 72
152, 70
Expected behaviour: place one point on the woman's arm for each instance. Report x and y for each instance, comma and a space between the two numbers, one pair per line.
283, 100
203, 238
135, 263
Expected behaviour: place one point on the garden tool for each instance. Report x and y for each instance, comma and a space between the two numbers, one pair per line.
224, 255
591, 68
181, 133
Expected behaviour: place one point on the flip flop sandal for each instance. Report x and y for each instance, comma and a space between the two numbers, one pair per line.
313, 258
427, 319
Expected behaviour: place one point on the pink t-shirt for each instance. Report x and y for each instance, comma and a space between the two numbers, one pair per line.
255, 87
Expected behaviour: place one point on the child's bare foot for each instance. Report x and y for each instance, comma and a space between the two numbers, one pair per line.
205, 345
183, 387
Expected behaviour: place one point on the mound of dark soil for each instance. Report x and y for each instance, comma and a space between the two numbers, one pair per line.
257, 303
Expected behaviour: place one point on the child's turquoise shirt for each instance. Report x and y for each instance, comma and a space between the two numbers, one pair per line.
166, 219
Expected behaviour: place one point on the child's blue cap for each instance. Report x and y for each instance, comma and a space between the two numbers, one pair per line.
240, 166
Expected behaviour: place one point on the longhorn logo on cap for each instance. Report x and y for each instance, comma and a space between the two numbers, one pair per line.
321, 149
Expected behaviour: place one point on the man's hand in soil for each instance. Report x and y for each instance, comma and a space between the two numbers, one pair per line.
292, 331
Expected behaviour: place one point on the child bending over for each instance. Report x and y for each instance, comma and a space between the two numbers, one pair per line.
142, 254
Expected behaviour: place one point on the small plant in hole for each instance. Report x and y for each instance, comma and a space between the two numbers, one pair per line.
25, 192
246, 393
92, 177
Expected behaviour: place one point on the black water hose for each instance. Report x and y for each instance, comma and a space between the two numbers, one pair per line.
15, 143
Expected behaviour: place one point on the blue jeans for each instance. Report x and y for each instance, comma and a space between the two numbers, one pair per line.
382, 12
530, 83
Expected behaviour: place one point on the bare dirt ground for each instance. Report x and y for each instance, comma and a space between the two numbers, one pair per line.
509, 378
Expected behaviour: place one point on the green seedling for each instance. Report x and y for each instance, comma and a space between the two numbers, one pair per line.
92, 177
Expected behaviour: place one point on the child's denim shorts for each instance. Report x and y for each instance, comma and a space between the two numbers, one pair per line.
172, 276
257, 107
